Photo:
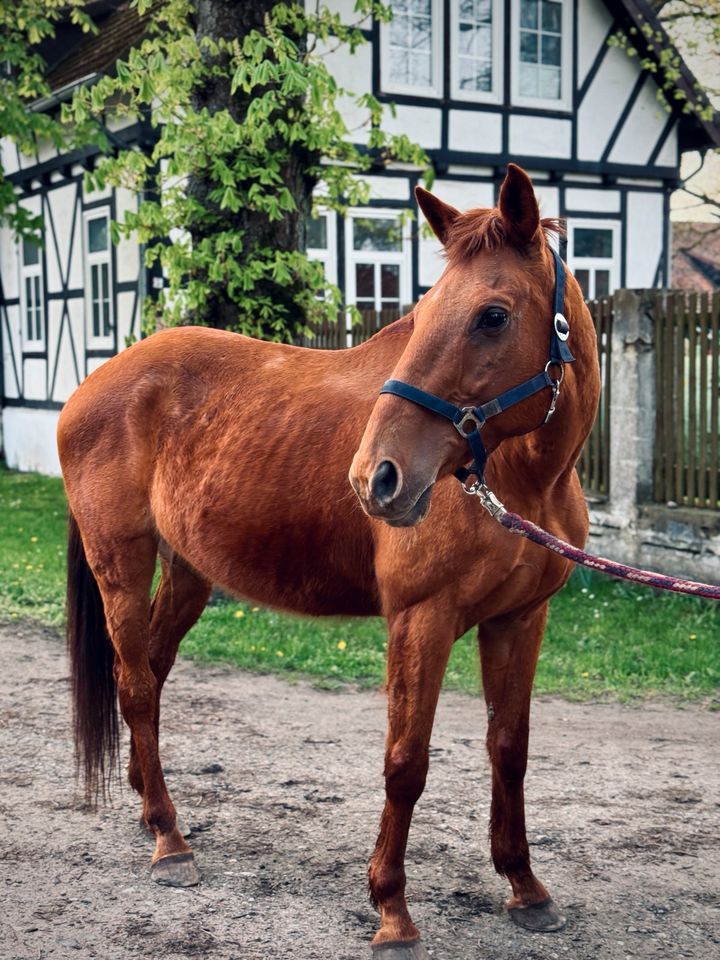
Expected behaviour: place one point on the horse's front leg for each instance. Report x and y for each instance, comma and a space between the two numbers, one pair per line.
419, 643
509, 649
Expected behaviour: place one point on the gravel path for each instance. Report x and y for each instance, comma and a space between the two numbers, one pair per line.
281, 786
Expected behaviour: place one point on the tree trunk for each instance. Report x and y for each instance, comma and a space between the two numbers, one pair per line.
229, 20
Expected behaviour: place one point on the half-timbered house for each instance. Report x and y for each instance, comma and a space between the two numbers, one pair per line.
476, 82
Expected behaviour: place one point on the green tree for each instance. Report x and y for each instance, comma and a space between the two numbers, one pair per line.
246, 122
24, 25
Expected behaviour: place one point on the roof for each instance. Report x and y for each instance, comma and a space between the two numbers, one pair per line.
83, 55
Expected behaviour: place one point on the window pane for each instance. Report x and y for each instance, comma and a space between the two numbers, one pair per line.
528, 47
96, 318
483, 43
399, 66
317, 232
36, 292
420, 34
376, 234
467, 35
602, 283
365, 281
483, 11
592, 242
551, 50
38, 324
31, 253
105, 279
467, 9
97, 235
549, 82
420, 70
529, 14
583, 278
94, 293
28, 308
422, 6
551, 16
390, 281
528, 80
399, 31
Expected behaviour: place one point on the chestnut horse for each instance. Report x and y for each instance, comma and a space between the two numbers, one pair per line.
229, 457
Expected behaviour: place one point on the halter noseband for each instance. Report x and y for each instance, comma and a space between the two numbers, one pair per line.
468, 421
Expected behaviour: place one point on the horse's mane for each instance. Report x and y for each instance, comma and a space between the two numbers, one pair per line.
484, 229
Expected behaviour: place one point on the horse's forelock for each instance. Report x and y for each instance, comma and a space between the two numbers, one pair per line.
484, 229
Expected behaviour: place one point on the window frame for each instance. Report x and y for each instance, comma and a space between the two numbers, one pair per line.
33, 271
495, 94
327, 255
435, 89
564, 101
611, 264
402, 257
98, 258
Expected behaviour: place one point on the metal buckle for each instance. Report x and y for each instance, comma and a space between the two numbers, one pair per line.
562, 327
469, 416
487, 498
561, 366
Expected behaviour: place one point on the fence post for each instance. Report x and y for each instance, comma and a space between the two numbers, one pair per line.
632, 407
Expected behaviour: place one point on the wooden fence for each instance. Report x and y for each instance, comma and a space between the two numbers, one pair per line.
335, 336
594, 463
687, 345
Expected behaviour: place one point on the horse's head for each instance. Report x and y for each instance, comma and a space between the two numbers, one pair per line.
484, 328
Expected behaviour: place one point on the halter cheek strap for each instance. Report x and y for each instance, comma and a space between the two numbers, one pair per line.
468, 421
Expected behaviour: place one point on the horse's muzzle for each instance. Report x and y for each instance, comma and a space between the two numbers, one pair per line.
386, 497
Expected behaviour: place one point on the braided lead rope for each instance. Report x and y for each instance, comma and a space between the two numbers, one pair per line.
525, 528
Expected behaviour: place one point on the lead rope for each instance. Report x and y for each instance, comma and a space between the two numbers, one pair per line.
525, 528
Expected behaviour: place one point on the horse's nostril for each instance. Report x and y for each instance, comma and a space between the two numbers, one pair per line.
384, 483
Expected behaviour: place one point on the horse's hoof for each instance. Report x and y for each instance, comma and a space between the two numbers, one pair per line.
400, 950
176, 870
539, 917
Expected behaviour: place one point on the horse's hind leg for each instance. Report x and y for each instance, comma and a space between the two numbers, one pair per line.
124, 574
179, 601
509, 649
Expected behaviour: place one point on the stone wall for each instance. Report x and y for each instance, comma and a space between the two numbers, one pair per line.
628, 526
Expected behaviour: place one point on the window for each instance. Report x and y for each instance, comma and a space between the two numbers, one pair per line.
322, 244
594, 256
476, 49
410, 48
31, 296
98, 280
378, 260
541, 75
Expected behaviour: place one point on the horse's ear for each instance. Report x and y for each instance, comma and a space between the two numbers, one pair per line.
441, 216
519, 206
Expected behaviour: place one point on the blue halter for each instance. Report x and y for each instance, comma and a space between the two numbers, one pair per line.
468, 421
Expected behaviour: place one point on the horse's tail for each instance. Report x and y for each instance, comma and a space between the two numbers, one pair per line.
92, 659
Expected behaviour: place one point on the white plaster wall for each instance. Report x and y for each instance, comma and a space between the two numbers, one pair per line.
540, 136
127, 252
388, 188
8, 156
353, 72
668, 156
475, 132
70, 367
421, 124
125, 303
29, 439
604, 102
9, 264
594, 20
548, 199
61, 204
346, 9
11, 338
462, 194
642, 128
599, 201
644, 237
35, 378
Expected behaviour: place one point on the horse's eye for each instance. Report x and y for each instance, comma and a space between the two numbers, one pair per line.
492, 320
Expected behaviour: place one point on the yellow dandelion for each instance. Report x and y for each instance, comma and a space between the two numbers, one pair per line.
341, 645
33, 539
586, 674
239, 613
29, 566
255, 609
279, 653
693, 636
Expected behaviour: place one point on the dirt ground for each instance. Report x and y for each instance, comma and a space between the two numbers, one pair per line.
281, 785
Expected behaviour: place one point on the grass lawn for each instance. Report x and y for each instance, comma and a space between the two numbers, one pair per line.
604, 638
